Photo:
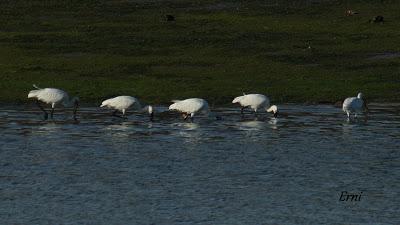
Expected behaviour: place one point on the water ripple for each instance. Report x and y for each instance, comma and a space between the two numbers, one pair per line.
237, 170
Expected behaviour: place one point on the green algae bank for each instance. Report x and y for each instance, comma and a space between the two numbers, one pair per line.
293, 51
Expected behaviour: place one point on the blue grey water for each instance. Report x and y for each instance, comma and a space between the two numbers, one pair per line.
289, 170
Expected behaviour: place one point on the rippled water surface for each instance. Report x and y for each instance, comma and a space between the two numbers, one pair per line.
289, 170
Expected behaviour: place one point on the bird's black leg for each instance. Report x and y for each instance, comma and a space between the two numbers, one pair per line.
185, 116
151, 116
191, 119
76, 106
46, 115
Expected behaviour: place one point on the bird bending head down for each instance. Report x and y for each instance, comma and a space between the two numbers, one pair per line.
75, 103
190, 107
149, 110
274, 110
123, 103
54, 97
255, 102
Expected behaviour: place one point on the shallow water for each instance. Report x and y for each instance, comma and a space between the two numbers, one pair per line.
289, 170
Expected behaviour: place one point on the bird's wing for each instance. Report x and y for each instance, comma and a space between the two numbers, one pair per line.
348, 103
256, 100
51, 95
121, 102
194, 105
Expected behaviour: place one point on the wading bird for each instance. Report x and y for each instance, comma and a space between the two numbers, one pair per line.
54, 97
255, 102
123, 103
354, 105
190, 107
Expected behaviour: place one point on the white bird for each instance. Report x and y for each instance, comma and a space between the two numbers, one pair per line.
190, 107
123, 103
354, 105
255, 102
54, 97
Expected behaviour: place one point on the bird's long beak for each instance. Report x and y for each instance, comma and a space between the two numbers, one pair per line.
151, 116
76, 106
365, 106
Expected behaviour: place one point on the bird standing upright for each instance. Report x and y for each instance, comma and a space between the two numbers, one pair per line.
54, 97
354, 105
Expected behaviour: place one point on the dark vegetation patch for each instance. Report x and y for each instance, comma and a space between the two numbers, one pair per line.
294, 51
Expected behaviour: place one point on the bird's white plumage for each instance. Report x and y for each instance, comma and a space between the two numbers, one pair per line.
52, 96
255, 102
353, 105
190, 106
122, 103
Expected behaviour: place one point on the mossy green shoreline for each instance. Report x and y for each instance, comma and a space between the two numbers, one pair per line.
293, 51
